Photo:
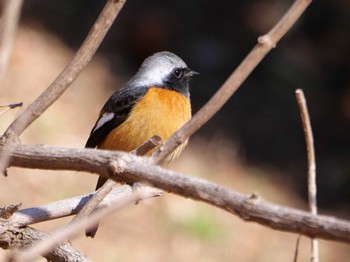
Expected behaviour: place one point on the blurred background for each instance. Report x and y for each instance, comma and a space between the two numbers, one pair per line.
254, 144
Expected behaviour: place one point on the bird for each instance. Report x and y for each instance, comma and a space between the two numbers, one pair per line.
155, 101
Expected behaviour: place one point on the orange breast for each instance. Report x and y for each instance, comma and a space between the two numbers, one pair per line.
160, 112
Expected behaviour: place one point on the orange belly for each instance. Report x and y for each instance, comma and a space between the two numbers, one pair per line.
160, 112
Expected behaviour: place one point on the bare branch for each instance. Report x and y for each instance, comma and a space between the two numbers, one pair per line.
310, 150
9, 107
150, 144
265, 44
12, 237
67, 207
41, 247
132, 168
72, 70
72, 206
309, 139
8, 28
295, 259
14, 105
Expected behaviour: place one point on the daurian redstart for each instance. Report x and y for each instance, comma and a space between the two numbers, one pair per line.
156, 101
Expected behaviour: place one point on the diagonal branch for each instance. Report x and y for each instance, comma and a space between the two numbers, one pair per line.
265, 44
72, 70
123, 167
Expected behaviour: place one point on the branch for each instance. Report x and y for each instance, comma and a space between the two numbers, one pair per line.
107, 187
309, 139
12, 237
123, 167
295, 259
45, 244
265, 44
10, 17
9, 107
311, 176
67, 207
72, 70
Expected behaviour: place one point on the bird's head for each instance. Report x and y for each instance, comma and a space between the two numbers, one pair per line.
164, 70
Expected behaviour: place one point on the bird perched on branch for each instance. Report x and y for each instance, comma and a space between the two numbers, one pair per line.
156, 101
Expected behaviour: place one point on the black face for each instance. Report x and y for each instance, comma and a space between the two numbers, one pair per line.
178, 80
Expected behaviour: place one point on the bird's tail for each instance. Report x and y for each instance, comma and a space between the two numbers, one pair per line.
91, 231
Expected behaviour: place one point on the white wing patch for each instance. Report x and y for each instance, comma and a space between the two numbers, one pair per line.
103, 119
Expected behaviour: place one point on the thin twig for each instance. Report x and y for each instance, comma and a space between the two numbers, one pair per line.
295, 259
130, 168
8, 28
9, 107
311, 181
60, 235
265, 44
14, 105
150, 144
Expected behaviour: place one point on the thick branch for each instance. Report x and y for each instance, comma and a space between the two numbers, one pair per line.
14, 237
129, 168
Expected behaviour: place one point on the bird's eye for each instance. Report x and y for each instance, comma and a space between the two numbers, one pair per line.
177, 73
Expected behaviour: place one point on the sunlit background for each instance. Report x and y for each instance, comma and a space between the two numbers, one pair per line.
255, 144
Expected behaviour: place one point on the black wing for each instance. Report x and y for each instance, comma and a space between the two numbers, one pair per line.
96, 136
115, 111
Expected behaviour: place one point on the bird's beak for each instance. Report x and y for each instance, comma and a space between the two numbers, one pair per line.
194, 73
190, 73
